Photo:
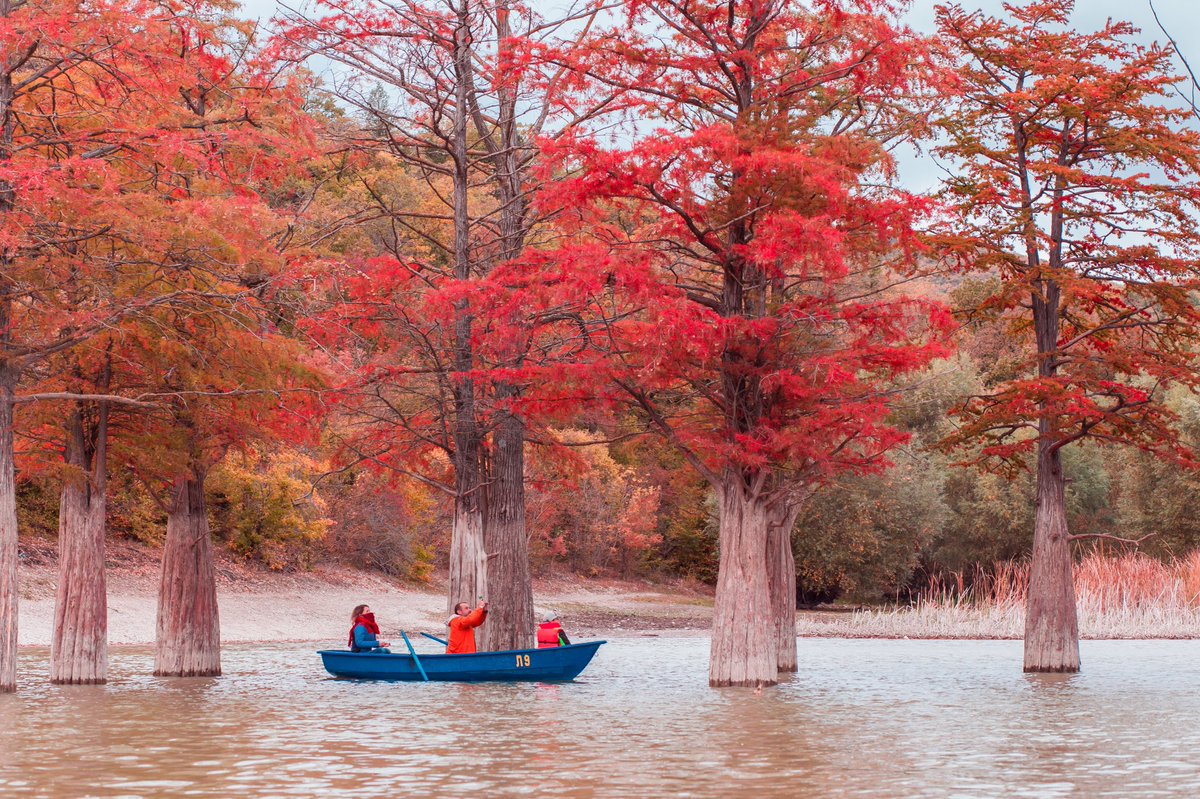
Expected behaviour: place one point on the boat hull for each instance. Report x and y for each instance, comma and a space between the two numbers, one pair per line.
554, 664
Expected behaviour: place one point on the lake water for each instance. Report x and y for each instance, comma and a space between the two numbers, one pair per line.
865, 718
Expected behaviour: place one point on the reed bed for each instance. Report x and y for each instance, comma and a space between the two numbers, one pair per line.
1118, 596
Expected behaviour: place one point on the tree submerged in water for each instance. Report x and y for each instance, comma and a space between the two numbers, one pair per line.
743, 262
1075, 185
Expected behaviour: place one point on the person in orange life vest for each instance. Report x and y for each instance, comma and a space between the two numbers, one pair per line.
364, 632
462, 627
551, 633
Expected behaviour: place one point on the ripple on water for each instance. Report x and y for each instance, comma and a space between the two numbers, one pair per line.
863, 719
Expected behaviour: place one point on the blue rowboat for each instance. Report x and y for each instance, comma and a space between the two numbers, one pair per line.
541, 665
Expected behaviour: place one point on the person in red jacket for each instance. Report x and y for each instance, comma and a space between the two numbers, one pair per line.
551, 633
462, 627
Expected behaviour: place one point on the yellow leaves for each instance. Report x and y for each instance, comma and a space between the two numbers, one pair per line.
267, 508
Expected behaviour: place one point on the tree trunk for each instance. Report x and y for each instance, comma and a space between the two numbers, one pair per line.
468, 563
189, 629
468, 556
8, 540
79, 647
781, 565
510, 616
1051, 626
744, 641
10, 371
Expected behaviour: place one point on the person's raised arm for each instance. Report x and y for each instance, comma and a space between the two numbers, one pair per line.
478, 615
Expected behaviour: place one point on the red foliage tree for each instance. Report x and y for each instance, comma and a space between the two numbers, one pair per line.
436, 363
141, 164
66, 110
220, 371
1075, 185
743, 257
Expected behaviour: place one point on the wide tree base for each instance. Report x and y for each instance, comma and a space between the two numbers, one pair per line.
1051, 622
1062, 658
742, 683
745, 642
8, 540
468, 564
189, 673
189, 629
1051, 670
79, 648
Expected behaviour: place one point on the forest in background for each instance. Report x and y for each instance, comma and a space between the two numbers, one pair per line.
633, 509
602, 500
621, 290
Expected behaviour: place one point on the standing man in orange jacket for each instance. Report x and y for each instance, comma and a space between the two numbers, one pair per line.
462, 628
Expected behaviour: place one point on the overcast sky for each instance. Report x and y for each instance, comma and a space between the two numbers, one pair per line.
921, 174
918, 172
1178, 15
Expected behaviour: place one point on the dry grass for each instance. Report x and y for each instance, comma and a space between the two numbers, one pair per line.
1125, 596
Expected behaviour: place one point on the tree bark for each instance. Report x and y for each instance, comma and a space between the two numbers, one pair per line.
468, 556
10, 370
1051, 625
781, 566
8, 538
468, 563
744, 647
510, 615
79, 647
189, 630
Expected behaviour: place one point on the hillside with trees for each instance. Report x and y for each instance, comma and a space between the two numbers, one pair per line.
462, 291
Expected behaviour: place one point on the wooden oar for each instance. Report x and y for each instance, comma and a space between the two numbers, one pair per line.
416, 659
435, 638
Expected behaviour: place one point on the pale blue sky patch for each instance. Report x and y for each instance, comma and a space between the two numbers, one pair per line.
918, 172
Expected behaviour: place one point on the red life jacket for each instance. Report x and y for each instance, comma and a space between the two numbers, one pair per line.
547, 634
366, 620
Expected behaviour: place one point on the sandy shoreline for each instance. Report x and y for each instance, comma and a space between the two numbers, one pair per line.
258, 605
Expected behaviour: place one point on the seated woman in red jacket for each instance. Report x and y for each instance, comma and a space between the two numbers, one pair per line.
551, 633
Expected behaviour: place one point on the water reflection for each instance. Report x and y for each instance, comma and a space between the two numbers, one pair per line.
862, 719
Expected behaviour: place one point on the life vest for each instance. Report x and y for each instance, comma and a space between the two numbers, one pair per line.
547, 634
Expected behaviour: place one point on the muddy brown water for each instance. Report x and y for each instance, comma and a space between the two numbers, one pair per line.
865, 718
